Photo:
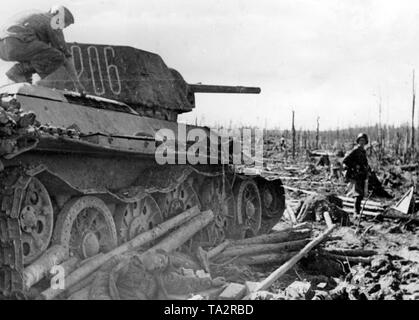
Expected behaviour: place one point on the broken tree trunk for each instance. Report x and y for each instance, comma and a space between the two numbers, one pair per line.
262, 248
184, 233
265, 284
289, 234
41, 267
349, 252
138, 241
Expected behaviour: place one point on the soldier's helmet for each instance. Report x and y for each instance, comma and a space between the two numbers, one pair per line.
68, 16
362, 135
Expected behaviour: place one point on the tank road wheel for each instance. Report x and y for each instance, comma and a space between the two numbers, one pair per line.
273, 199
36, 220
177, 201
85, 226
134, 218
219, 198
249, 208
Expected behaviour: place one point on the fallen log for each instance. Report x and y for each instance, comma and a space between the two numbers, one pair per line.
265, 284
349, 252
35, 272
362, 260
184, 233
70, 265
82, 283
204, 256
265, 258
218, 249
262, 248
289, 234
138, 241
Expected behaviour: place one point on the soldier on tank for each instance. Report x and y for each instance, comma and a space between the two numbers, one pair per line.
357, 170
36, 42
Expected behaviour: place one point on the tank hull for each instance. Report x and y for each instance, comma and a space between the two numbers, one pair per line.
94, 163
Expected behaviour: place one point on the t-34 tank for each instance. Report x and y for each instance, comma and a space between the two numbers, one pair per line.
82, 171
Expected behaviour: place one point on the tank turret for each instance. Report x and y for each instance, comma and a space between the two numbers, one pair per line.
135, 77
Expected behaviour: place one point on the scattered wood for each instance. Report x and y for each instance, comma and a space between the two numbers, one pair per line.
185, 232
265, 284
349, 252
138, 241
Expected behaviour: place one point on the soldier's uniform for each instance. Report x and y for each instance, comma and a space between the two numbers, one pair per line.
357, 173
34, 44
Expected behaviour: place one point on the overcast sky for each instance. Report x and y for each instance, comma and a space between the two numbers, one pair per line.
326, 58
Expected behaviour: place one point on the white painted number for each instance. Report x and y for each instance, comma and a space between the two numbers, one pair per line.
75, 49
110, 67
98, 91
96, 68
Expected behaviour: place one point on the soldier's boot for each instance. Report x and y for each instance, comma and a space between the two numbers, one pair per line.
21, 72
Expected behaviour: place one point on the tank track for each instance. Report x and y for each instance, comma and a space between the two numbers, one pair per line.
11, 255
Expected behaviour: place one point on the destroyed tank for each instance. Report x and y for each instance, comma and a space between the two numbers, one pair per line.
80, 171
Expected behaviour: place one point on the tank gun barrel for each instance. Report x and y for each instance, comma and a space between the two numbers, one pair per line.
203, 88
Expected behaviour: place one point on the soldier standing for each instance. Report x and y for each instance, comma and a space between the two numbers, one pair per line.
36, 42
356, 163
